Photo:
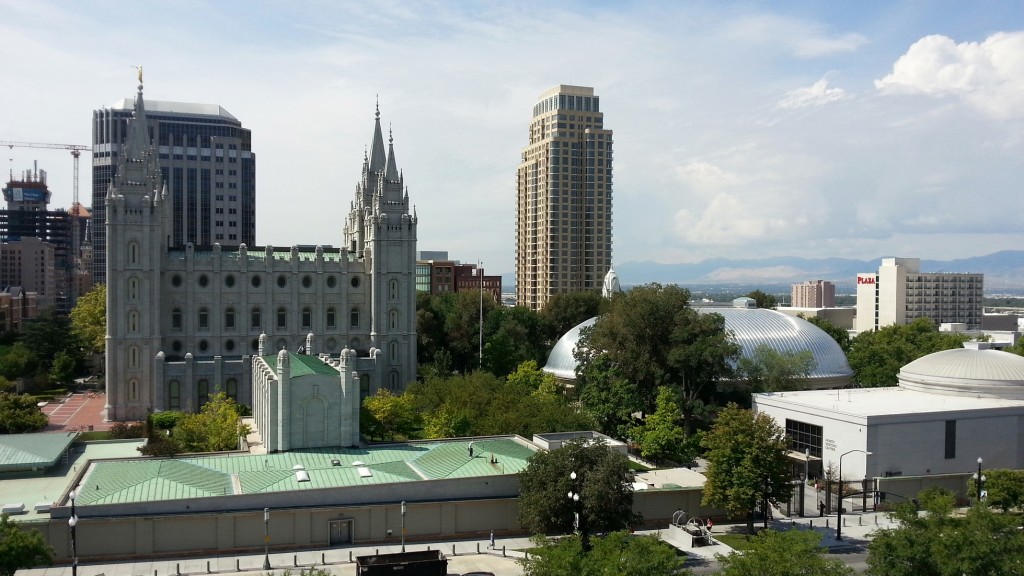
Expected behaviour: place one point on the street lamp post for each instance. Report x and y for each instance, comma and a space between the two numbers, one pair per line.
72, 522
764, 504
839, 518
480, 272
979, 479
403, 526
266, 538
581, 519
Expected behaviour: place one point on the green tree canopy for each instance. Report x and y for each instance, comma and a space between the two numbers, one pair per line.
877, 356
940, 544
661, 437
617, 554
480, 404
450, 322
216, 427
768, 370
89, 319
746, 454
18, 361
651, 337
603, 480
64, 368
790, 553
19, 414
840, 335
390, 415
513, 336
49, 334
21, 548
1005, 489
763, 299
566, 310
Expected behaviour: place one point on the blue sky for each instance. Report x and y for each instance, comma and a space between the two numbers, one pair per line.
742, 129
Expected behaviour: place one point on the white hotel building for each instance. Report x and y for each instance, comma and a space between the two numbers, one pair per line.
900, 293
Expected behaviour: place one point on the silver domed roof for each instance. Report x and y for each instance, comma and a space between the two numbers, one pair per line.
561, 362
967, 372
751, 327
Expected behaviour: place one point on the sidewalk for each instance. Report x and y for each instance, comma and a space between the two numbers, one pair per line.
462, 557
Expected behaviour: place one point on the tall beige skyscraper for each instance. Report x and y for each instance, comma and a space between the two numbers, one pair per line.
564, 198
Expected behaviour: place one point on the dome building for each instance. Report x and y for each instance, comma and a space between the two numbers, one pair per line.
948, 410
751, 327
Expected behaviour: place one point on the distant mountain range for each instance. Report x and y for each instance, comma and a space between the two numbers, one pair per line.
1004, 272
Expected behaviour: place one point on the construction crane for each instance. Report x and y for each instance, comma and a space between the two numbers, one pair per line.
76, 208
76, 151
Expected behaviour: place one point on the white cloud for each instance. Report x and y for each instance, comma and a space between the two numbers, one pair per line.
801, 38
817, 94
988, 75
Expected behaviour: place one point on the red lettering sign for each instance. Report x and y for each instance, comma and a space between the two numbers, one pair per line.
861, 280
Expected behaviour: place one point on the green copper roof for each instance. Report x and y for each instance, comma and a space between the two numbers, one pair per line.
146, 479
32, 451
303, 365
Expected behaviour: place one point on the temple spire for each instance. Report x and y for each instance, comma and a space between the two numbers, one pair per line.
137, 139
392, 172
377, 155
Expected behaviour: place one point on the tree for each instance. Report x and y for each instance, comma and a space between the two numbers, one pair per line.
63, 369
89, 319
746, 454
479, 404
19, 414
940, 544
566, 310
513, 336
840, 335
529, 376
617, 554
216, 427
764, 300
47, 335
1005, 489
603, 480
18, 362
451, 322
609, 397
394, 414
877, 356
660, 437
790, 553
21, 548
768, 370
650, 337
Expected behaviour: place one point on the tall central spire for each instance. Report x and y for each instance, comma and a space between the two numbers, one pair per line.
137, 139
378, 156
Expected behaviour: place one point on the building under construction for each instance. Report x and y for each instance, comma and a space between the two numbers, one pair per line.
39, 250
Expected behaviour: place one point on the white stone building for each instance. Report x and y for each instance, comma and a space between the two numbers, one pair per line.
183, 323
949, 409
900, 293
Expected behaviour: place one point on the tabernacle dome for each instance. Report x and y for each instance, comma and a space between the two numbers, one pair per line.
751, 327
973, 371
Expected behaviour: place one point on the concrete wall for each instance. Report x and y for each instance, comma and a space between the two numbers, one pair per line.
147, 534
290, 528
901, 488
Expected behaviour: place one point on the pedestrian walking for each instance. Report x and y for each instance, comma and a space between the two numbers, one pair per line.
492, 539
821, 508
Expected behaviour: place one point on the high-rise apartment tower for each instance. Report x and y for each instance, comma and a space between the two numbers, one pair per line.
564, 198
205, 157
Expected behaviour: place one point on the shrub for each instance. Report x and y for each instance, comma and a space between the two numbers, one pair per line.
124, 430
167, 420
